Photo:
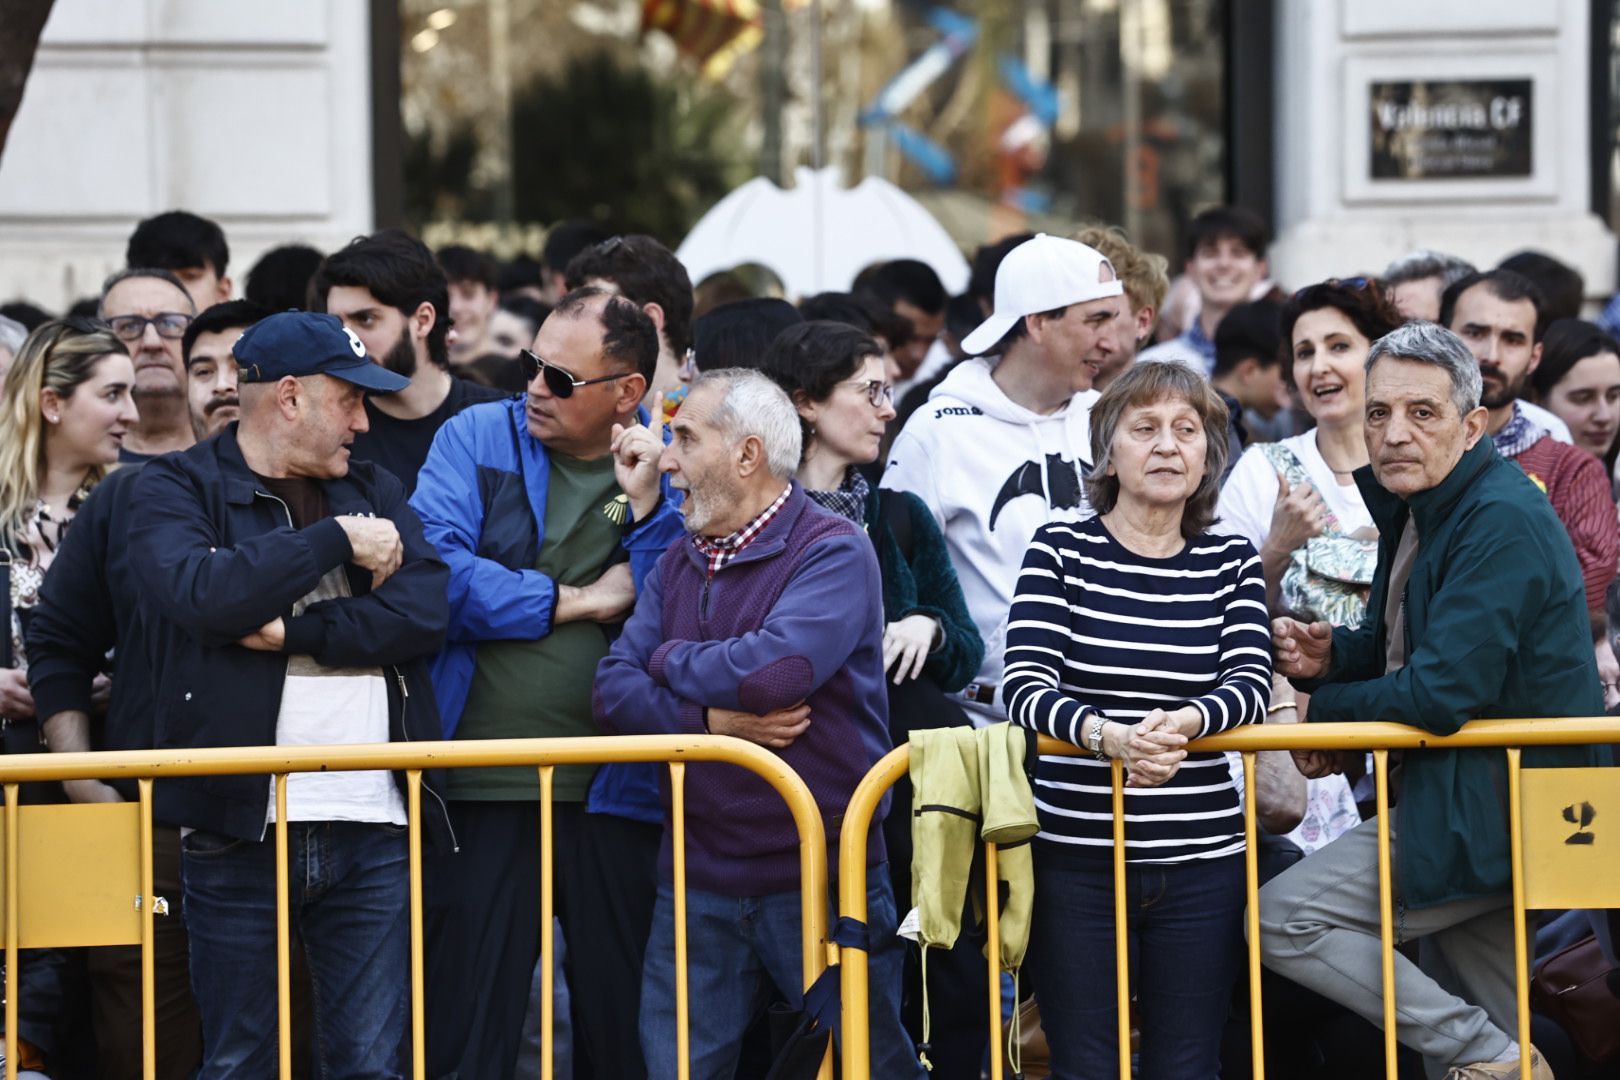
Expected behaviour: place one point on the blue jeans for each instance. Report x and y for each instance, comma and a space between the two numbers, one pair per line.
736, 949
1185, 924
349, 905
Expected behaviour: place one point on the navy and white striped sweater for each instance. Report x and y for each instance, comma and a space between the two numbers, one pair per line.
1096, 627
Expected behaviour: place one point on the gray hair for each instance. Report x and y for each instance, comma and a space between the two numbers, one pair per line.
12, 335
1423, 263
1431, 343
167, 276
755, 405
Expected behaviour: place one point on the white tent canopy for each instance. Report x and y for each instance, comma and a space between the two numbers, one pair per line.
819, 234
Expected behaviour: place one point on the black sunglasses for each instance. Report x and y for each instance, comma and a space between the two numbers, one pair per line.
561, 383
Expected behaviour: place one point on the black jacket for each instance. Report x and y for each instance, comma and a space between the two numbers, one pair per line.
88, 607
215, 558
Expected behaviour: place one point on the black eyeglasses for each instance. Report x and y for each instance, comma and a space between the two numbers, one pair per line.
561, 383
878, 393
169, 324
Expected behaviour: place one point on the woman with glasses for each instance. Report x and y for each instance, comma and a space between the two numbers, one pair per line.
836, 376
64, 410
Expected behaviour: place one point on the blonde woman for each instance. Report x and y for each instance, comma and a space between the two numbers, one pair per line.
64, 409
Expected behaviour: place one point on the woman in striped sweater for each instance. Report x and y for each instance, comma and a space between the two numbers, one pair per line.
1131, 633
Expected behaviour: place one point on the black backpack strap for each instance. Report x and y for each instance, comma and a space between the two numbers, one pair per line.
895, 512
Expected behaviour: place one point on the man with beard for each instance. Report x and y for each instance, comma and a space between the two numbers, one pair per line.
1500, 315
73, 630
388, 289
149, 310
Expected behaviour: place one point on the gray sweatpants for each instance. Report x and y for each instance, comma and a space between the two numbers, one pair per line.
1319, 927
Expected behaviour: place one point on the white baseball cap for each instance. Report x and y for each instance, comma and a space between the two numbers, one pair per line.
1041, 274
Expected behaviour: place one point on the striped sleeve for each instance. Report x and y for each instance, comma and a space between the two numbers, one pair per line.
1244, 689
1038, 630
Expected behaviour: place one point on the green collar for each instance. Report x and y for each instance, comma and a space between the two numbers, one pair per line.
1428, 508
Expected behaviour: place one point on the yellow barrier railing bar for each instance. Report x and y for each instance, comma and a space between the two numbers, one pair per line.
13, 962
992, 952
1521, 946
413, 817
148, 939
548, 912
677, 803
411, 758
1386, 918
1251, 887
1122, 973
1376, 737
283, 935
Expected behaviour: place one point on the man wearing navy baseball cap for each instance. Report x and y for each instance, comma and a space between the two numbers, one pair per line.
292, 600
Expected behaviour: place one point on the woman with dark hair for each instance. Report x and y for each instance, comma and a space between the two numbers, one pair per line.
1578, 380
1130, 634
836, 376
1295, 500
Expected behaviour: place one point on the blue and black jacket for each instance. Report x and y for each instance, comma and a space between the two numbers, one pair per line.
482, 498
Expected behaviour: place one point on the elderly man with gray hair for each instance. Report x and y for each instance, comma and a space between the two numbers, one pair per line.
1477, 610
765, 622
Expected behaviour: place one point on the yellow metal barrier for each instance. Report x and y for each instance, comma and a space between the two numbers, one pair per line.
1551, 868
111, 898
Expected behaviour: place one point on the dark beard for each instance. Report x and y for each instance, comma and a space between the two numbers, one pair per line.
1509, 393
401, 359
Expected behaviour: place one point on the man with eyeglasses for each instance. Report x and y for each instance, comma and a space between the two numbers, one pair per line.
548, 509
149, 310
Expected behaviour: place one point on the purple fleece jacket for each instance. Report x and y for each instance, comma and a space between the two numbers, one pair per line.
796, 616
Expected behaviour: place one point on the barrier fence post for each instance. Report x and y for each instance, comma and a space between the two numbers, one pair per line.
1386, 929
1122, 957
283, 936
1521, 948
548, 957
677, 802
413, 794
13, 974
992, 951
1251, 886
148, 938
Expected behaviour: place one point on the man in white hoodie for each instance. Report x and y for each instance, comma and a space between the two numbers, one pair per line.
1004, 442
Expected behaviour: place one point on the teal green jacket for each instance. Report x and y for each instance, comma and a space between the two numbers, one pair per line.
1496, 626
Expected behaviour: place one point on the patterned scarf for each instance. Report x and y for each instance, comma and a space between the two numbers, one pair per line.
1518, 434
848, 499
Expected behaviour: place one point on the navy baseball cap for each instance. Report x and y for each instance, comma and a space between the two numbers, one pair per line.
309, 343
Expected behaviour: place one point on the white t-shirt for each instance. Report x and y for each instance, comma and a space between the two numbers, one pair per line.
1250, 494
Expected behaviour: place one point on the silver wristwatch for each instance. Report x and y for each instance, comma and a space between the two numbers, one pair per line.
1094, 735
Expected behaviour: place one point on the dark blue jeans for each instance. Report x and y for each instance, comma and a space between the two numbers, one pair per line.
737, 947
349, 905
1185, 924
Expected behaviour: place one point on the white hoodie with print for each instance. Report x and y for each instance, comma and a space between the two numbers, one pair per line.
992, 472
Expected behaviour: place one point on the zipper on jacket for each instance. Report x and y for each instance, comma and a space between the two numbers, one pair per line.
286, 661
703, 600
404, 705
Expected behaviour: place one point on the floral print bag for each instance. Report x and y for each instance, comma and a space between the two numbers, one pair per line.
1329, 576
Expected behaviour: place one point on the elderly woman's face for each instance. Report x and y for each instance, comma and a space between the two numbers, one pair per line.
1158, 452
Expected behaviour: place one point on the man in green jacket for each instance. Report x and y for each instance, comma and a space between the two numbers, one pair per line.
1477, 610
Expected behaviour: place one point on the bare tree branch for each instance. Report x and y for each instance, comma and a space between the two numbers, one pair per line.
21, 22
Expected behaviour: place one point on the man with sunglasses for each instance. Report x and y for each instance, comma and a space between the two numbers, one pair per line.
149, 310
548, 509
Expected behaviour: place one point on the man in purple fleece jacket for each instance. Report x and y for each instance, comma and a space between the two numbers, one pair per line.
765, 623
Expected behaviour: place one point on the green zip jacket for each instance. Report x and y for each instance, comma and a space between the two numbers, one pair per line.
1496, 626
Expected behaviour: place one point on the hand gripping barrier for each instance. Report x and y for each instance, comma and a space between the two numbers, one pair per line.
1561, 857
71, 877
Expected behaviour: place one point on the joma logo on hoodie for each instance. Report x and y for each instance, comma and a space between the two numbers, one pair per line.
958, 410
1059, 483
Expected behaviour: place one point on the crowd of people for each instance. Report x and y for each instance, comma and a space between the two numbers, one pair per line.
399, 495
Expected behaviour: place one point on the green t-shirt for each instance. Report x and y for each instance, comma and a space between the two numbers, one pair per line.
542, 689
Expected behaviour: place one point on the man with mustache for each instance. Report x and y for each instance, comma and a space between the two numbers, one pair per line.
149, 310
1476, 612
1501, 317
389, 290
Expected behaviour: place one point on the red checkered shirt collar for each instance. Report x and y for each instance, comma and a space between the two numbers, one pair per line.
722, 550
